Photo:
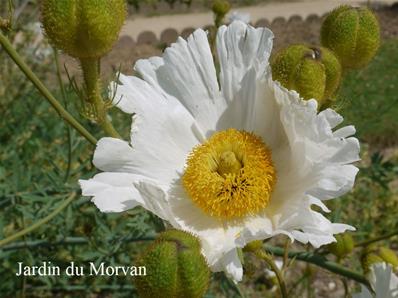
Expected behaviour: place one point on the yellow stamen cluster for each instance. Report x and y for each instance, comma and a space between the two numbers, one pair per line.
231, 175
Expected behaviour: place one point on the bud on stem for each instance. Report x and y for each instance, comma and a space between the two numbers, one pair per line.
83, 28
86, 30
93, 97
90, 68
314, 72
343, 246
374, 254
220, 8
175, 267
353, 34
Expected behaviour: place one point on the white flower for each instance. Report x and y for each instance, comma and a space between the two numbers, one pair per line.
269, 156
384, 282
239, 16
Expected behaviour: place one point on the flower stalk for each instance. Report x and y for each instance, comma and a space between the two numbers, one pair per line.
377, 239
320, 261
44, 91
91, 74
270, 261
41, 222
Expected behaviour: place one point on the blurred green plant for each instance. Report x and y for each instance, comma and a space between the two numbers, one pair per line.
368, 98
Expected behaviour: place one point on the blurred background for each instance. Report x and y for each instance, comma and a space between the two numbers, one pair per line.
41, 158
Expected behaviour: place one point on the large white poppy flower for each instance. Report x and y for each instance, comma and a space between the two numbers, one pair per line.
232, 162
384, 282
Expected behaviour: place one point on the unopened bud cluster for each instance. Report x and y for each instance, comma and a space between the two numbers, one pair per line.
376, 254
343, 246
353, 34
314, 72
350, 38
83, 28
175, 267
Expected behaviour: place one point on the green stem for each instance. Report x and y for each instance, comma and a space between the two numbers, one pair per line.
68, 128
377, 239
285, 256
43, 90
39, 223
91, 75
66, 241
270, 261
320, 261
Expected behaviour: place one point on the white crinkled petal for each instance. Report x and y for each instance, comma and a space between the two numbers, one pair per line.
186, 71
309, 226
231, 265
241, 48
118, 192
345, 131
333, 181
112, 192
313, 157
296, 220
216, 238
163, 132
243, 52
384, 282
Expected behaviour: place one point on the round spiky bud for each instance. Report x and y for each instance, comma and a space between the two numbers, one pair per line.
175, 267
83, 28
374, 254
353, 34
343, 246
221, 7
314, 72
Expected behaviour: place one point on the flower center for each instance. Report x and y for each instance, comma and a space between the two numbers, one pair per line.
231, 175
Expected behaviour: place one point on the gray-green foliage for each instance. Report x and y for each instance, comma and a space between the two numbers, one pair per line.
369, 97
41, 160
34, 161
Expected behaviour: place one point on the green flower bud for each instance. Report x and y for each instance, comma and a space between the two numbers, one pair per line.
389, 256
83, 28
373, 254
343, 246
253, 246
175, 267
353, 34
221, 7
312, 71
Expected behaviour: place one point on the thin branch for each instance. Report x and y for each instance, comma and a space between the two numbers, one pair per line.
39, 223
320, 261
377, 239
270, 261
68, 128
44, 91
65, 241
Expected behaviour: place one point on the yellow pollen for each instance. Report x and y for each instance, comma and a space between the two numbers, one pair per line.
230, 175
